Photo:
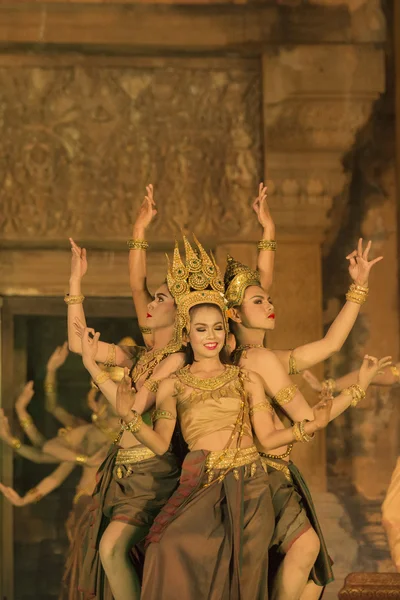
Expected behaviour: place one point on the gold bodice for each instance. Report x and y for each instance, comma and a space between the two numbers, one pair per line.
206, 406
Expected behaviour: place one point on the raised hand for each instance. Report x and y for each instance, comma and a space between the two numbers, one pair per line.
80, 328
322, 412
147, 210
25, 397
78, 261
58, 358
359, 266
261, 208
370, 367
90, 343
5, 431
12, 495
125, 395
312, 381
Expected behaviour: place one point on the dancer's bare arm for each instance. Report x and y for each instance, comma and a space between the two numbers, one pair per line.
43, 488
388, 376
311, 354
35, 455
66, 447
266, 258
137, 263
25, 418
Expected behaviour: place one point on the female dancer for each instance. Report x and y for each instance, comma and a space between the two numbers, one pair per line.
252, 315
133, 483
211, 538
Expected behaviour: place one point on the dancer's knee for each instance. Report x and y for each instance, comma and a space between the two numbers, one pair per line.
304, 551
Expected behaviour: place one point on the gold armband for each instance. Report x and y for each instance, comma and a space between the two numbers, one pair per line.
329, 386
357, 294
162, 414
15, 443
49, 388
135, 424
264, 405
101, 377
26, 423
73, 299
285, 395
356, 392
152, 385
267, 245
299, 432
293, 370
395, 371
35, 491
111, 356
81, 459
145, 330
137, 244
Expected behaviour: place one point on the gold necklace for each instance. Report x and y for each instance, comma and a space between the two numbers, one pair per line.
149, 360
211, 383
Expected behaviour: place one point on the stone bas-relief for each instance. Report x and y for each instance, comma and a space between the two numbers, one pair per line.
84, 142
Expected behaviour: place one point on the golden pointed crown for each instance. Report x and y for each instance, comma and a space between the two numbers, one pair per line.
237, 278
198, 280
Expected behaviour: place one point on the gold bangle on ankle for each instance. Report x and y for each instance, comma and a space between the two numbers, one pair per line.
73, 299
137, 244
267, 245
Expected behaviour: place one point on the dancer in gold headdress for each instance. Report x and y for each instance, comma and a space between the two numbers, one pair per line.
211, 538
133, 483
252, 314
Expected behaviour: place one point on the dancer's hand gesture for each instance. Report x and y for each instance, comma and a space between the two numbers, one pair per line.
90, 344
12, 495
370, 367
5, 431
58, 358
125, 396
78, 261
359, 266
322, 412
147, 211
261, 208
25, 397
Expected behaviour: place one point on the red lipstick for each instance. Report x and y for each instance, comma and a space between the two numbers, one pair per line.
271, 316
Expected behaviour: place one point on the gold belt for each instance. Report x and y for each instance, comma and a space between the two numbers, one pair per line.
277, 466
232, 458
128, 456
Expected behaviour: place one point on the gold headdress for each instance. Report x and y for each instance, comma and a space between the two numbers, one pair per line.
199, 281
237, 278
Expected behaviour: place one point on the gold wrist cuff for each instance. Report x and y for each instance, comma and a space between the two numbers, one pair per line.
357, 294
329, 385
356, 392
267, 245
26, 423
81, 459
16, 444
73, 299
299, 432
101, 377
111, 359
137, 244
135, 424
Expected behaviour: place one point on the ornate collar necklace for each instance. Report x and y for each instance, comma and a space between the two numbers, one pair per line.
211, 383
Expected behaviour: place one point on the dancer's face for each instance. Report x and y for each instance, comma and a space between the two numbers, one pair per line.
207, 331
161, 311
256, 310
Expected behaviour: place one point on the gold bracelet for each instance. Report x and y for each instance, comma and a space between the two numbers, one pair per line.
357, 294
395, 371
73, 299
101, 377
329, 385
162, 414
49, 388
152, 385
145, 330
356, 392
135, 424
306, 437
15, 443
81, 459
26, 423
297, 433
111, 360
267, 245
137, 244
35, 491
